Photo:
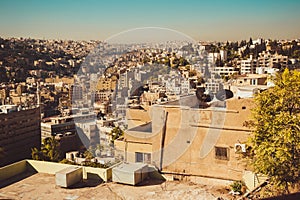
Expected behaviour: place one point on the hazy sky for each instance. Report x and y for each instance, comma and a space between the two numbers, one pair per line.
203, 20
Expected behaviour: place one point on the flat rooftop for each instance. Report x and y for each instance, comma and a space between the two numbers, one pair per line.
42, 186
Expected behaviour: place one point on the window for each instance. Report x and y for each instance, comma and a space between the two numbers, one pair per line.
221, 153
143, 157
138, 157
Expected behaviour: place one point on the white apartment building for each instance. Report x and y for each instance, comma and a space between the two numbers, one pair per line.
223, 54
248, 66
212, 57
214, 85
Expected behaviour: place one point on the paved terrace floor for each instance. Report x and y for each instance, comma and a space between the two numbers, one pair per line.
42, 186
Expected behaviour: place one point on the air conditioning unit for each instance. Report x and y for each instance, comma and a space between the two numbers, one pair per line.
240, 147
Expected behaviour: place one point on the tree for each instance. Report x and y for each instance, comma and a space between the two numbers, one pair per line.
242, 43
275, 141
88, 154
116, 133
49, 150
192, 73
36, 154
250, 41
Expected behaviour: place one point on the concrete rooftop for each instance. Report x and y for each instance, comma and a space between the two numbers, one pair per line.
42, 186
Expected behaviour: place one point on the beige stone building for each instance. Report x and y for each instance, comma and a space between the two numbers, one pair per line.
184, 140
106, 84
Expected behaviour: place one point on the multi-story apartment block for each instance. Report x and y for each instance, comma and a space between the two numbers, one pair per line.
102, 96
266, 59
75, 92
20, 130
248, 66
106, 84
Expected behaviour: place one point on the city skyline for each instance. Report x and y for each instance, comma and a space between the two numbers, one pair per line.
92, 20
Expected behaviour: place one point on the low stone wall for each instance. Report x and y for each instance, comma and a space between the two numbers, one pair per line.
46, 167
51, 168
12, 170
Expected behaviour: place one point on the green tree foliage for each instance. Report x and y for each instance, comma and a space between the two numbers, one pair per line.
275, 141
250, 41
66, 161
242, 43
296, 54
49, 150
237, 186
88, 154
116, 133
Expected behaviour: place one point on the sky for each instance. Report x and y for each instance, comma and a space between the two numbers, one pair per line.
210, 20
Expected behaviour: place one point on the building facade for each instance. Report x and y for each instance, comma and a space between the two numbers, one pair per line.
19, 132
248, 66
188, 141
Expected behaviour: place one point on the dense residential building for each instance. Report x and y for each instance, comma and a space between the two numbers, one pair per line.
103, 96
75, 92
177, 86
106, 84
138, 92
266, 59
20, 131
55, 125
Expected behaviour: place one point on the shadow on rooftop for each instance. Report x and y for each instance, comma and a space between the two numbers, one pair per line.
92, 180
150, 181
16, 178
86, 183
